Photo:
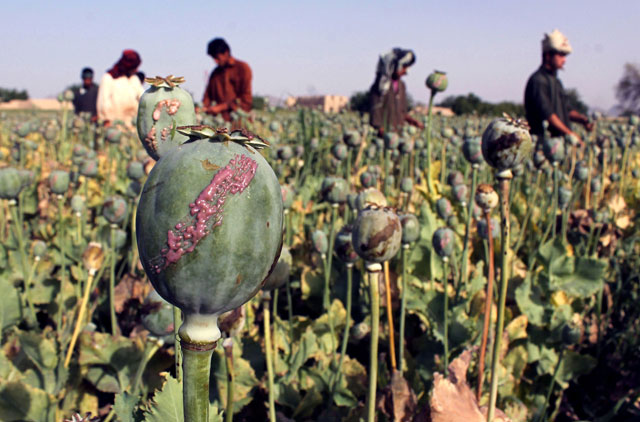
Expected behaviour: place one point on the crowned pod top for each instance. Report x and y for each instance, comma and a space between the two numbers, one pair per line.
506, 143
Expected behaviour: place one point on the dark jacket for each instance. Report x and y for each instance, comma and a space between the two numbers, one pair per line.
388, 110
85, 100
544, 96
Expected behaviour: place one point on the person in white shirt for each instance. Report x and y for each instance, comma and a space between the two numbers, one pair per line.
120, 90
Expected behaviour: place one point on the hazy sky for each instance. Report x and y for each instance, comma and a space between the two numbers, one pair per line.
322, 47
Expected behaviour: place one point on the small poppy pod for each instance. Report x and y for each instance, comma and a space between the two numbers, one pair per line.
437, 81
506, 143
406, 184
114, 209
334, 190
367, 179
443, 241
461, 193
410, 228
344, 245
455, 178
89, 167
314, 144
370, 196
596, 184
486, 197
352, 138
59, 181
275, 126
564, 196
391, 141
78, 203
371, 151
284, 153
113, 135
11, 183
39, 249
377, 234
339, 151
135, 170
157, 317
483, 229
405, 146
287, 196
472, 149
281, 272
320, 242
553, 149
444, 208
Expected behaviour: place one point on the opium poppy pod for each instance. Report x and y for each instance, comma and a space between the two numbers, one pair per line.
472, 150
437, 81
163, 107
506, 143
410, 228
59, 181
344, 245
209, 227
377, 234
443, 241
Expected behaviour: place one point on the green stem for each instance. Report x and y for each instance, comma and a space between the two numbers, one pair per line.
504, 181
345, 333
63, 279
327, 274
464, 276
373, 269
543, 411
443, 165
19, 237
555, 200
403, 307
445, 283
429, 121
148, 354
112, 282
196, 366
228, 354
269, 356
177, 320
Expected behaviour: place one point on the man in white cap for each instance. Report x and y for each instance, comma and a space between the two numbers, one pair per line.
544, 96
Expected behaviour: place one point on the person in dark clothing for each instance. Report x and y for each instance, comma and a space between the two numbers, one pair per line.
85, 97
229, 86
544, 96
388, 94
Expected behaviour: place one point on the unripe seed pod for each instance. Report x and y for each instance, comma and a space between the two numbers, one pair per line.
486, 197
314, 144
344, 245
452, 220
135, 170
444, 208
379, 143
352, 201
320, 242
281, 272
483, 229
389, 181
564, 196
163, 107
582, 171
59, 181
455, 178
406, 185
157, 317
89, 168
275, 126
614, 177
360, 331
377, 234
287, 196
461, 193
334, 190
367, 179
77, 204
391, 141
11, 183
437, 81
539, 158
505, 144
67, 95
209, 234
39, 249
371, 151
472, 150
369, 197
635, 173
447, 133
596, 184
113, 135
133, 189
114, 209
553, 149
395, 155
339, 151
119, 239
299, 151
284, 153
352, 138
443, 241
410, 228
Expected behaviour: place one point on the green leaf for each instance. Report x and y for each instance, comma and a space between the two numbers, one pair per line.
584, 277
574, 365
10, 308
309, 402
125, 404
530, 303
41, 351
21, 402
166, 405
104, 378
245, 379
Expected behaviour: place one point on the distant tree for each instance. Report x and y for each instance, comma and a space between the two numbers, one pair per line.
259, 102
472, 104
575, 102
360, 102
12, 94
628, 89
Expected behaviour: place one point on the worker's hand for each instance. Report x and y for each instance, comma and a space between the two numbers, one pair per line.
216, 109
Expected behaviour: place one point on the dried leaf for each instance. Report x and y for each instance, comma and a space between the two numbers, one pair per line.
623, 222
130, 288
617, 203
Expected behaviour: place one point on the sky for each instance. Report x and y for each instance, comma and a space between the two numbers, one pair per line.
323, 47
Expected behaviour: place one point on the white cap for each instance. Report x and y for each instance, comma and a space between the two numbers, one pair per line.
556, 41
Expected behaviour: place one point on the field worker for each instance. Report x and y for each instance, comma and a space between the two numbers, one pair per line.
544, 96
229, 86
388, 94
120, 90
85, 96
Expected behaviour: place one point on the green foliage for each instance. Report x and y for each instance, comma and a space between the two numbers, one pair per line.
259, 102
575, 102
472, 104
7, 94
628, 90
360, 102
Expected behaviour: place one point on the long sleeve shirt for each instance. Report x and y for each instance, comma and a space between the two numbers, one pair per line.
389, 110
544, 96
230, 84
118, 98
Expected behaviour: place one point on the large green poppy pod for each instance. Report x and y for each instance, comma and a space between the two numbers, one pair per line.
444, 208
344, 245
59, 181
472, 149
506, 143
410, 228
209, 226
115, 209
10, 183
443, 241
377, 234
319, 242
158, 317
162, 108
352, 138
334, 190
553, 149
437, 81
